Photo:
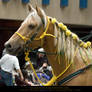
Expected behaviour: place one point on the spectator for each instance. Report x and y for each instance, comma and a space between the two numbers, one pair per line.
27, 78
43, 64
26, 81
41, 58
27, 67
46, 69
8, 63
42, 76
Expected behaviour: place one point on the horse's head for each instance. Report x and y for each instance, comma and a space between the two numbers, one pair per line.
32, 27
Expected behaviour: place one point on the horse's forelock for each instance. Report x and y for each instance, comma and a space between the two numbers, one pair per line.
35, 14
32, 14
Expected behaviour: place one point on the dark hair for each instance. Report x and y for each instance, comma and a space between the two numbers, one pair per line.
25, 74
4, 52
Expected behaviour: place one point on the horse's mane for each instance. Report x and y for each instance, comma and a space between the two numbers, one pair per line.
68, 41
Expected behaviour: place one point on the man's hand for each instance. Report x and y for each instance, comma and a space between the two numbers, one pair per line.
22, 78
44, 65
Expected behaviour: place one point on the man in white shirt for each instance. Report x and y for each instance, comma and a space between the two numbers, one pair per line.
7, 64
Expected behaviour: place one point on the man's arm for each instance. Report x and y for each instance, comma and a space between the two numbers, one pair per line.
20, 73
17, 67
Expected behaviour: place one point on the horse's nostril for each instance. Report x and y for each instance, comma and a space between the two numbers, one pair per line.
8, 46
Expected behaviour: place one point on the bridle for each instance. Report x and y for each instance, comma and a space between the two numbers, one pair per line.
33, 37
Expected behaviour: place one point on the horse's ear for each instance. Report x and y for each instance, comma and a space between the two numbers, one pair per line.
30, 8
39, 11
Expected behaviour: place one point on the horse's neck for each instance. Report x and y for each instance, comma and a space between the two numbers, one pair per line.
53, 46
64, 46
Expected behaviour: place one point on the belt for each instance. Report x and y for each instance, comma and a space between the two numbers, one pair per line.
6, 72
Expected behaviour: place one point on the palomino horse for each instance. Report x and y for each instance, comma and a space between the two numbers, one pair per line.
69, 53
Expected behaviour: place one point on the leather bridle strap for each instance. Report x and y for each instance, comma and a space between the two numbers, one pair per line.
71, 76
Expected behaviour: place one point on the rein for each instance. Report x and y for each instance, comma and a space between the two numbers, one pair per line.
71, 76
27, 52
44, 34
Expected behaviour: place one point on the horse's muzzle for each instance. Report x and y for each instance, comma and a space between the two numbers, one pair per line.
12, 49
8, 45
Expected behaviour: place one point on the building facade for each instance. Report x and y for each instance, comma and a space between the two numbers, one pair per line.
72, 13
76, 14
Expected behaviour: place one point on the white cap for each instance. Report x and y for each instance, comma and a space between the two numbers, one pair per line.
41, 50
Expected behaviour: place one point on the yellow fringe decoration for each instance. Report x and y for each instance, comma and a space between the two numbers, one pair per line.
88, 43
68, 33
85, 45
53, 21
74, 36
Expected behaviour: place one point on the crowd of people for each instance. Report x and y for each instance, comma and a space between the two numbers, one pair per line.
11, 73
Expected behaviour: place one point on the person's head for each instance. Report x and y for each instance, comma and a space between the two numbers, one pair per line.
45, 64
27, 65
40, 52
4, 52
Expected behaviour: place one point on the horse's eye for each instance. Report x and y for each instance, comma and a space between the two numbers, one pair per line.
31, 26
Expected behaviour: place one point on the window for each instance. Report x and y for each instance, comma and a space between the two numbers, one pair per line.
83, 3
5, 0
45, 2
63, 3
25, 1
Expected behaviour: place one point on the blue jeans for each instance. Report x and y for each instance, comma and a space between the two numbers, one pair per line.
6, 78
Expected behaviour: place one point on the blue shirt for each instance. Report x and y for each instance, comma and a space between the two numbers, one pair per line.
43, 75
